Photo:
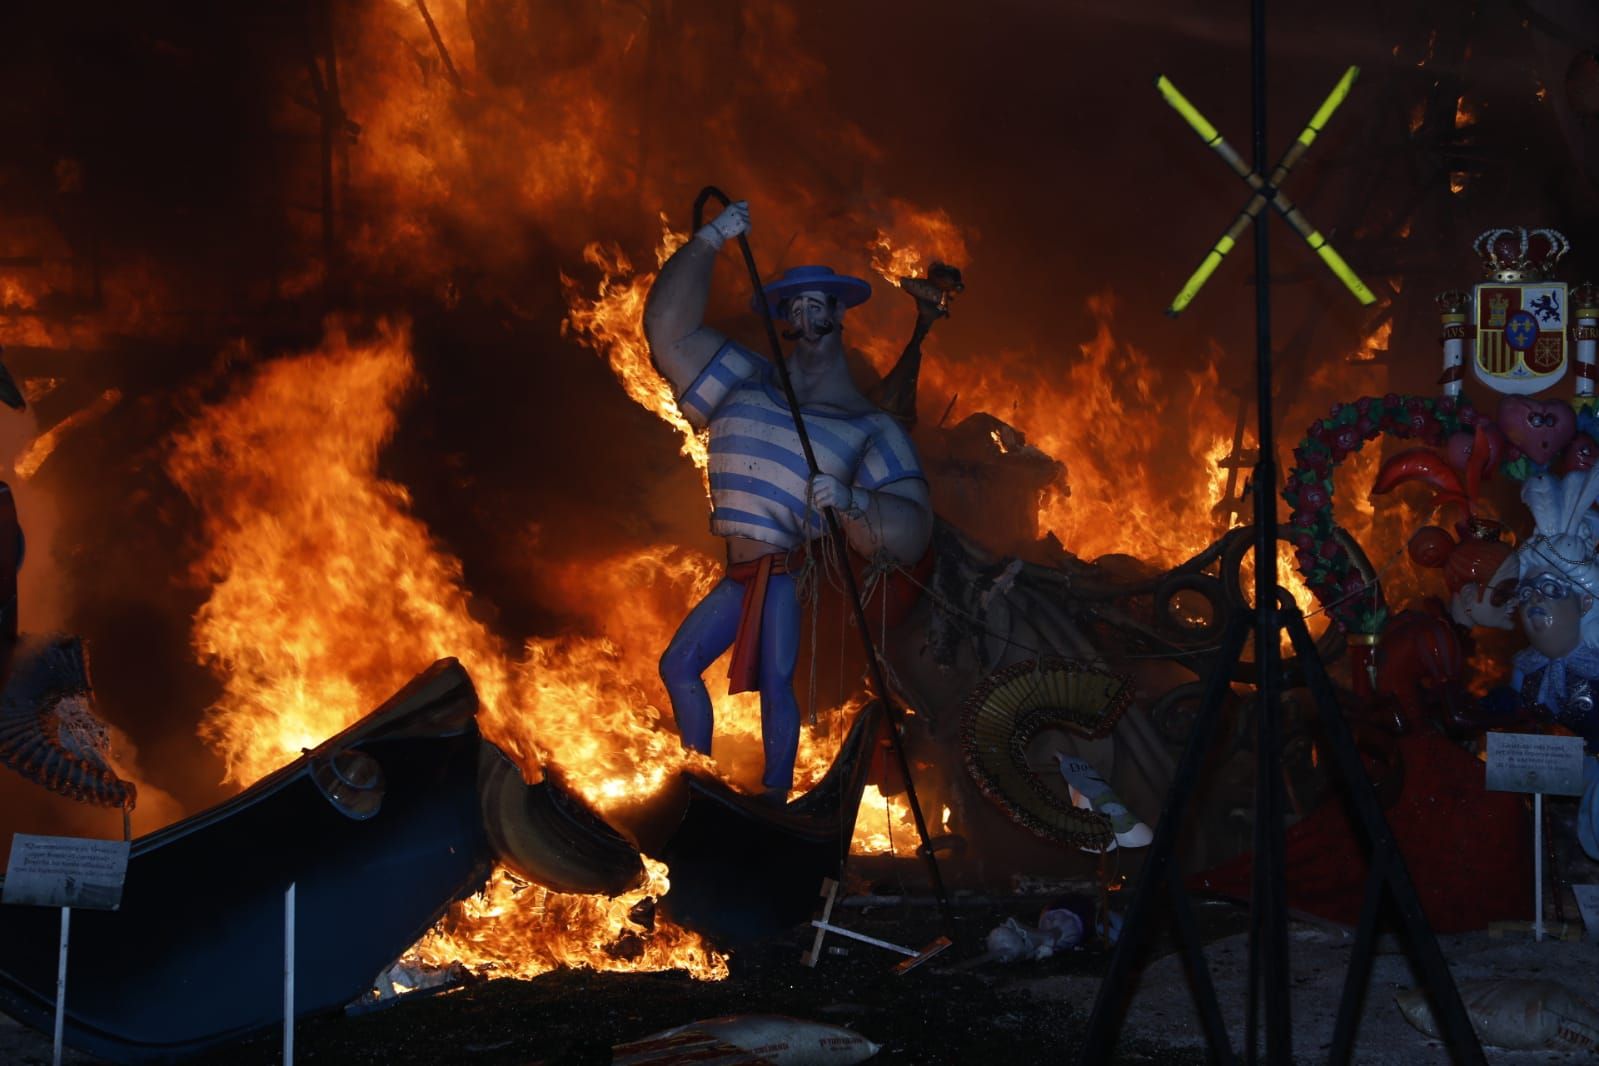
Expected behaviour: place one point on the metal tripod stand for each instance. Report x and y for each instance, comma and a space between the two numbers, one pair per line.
1268, 936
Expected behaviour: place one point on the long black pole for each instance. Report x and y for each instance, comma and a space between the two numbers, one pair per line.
1269, 928
879, 681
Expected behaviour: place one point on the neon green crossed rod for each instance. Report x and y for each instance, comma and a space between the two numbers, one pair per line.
1262, 187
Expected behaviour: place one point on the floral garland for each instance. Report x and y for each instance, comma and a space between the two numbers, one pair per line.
1327, 567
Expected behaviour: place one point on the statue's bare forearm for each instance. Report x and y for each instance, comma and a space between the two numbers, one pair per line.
896, 524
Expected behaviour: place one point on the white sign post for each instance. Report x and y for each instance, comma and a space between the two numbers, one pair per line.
65, 872
1532, 762
288, 976
61, 989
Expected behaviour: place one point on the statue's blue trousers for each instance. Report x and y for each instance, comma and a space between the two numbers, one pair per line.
705, 634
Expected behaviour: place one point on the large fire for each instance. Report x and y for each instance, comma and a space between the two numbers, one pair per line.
326, 592
327, 595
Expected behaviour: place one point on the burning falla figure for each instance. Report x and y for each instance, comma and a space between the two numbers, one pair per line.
766, 503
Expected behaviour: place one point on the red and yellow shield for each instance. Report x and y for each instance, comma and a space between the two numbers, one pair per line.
1521, 335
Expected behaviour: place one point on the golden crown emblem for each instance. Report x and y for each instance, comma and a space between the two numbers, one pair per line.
1520, 254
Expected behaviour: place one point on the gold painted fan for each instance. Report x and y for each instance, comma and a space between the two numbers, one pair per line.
1009, 709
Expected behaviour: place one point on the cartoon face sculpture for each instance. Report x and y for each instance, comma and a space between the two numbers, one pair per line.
1557, 567
1551, 610
1541, 429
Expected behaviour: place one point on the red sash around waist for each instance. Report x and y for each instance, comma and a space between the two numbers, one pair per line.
744, 673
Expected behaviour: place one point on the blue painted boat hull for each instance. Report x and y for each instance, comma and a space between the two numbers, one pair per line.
194, 956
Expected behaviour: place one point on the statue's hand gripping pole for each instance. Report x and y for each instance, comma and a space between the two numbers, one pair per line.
874, 664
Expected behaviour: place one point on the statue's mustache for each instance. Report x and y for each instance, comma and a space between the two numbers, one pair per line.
822, 330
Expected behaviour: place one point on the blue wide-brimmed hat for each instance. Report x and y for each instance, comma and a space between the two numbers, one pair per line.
850, 291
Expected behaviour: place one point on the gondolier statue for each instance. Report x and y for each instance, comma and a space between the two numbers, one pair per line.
764, 501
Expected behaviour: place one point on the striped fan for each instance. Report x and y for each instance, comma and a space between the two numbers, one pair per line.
48, 730
1009, 709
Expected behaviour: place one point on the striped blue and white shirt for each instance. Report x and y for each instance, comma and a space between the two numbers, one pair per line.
758, 472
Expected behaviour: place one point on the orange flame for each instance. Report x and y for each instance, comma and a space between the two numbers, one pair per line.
327, 595
913, 240
1143, 479
512, 929
612, 323
1375, 344
311, 553
885, 825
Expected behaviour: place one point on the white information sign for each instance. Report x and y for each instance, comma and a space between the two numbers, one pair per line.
66, 872
1530, 762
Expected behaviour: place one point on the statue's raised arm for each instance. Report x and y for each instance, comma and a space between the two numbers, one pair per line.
674, 314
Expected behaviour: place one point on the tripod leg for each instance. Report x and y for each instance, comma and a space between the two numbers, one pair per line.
1198, 970
1453, 1021
1343, 1041
1252, 997
1270, 895
1111, 1003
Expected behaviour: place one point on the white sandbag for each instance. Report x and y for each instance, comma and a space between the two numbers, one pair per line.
1524, 1015
1062, 926
1013, 941
748, 1040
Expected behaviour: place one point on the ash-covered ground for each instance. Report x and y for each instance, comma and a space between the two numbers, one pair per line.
954, 1009
946, 1011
